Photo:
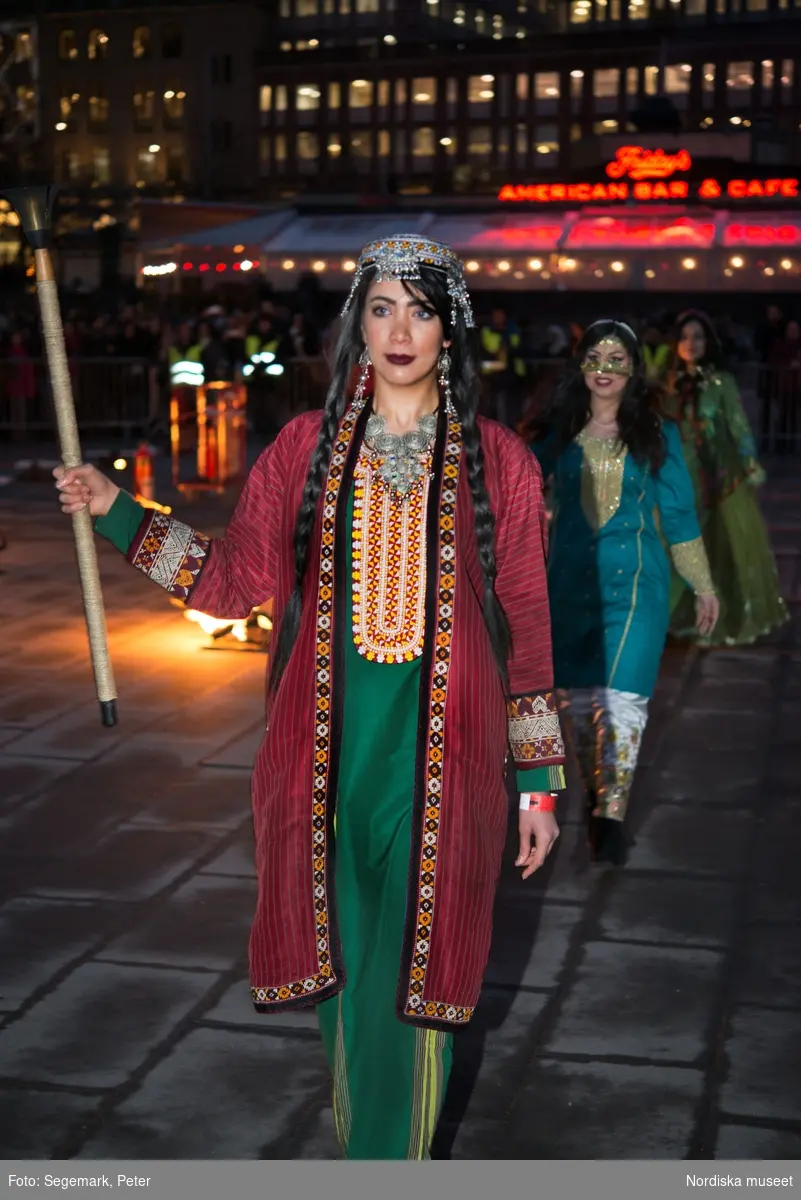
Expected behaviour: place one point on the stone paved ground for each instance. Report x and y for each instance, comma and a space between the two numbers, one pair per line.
646, 1013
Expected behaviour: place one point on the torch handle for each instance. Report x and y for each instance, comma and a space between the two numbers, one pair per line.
70, 446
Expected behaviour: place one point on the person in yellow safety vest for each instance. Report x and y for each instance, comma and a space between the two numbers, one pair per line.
656, 353
184, 348
264, 339
499, 341
504, 370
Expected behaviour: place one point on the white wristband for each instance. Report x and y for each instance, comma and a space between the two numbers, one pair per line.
525, 800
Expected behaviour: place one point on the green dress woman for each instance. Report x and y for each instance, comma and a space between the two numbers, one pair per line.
722, 460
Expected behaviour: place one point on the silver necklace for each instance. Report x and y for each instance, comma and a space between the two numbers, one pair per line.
402, 457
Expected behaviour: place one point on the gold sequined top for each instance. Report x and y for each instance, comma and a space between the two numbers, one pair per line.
604, 460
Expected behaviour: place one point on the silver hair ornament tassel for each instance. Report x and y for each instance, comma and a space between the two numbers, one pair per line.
444, 368
365, 362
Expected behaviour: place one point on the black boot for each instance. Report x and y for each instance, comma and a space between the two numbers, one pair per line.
609, 842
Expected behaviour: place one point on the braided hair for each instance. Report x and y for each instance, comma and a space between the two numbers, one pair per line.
465, 391
640, 414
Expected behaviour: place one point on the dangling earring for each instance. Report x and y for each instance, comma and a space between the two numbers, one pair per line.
365, 362
444, 368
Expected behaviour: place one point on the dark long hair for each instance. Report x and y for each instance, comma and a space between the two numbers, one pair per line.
713, 357
465, 391
639, 417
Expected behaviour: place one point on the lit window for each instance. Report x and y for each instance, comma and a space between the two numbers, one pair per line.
580, 11
23, 47
632, 81
67, 44
479, 143
280, 98
739, 78
480, 89
384, 143
546, 85
67, 104
767, 74
174, 105
401, 92
280, 148
98, 110
146, 166
101, 164
449, 143
334, 95
423, 142
639, 10
97, 45
677, 79
366, 6
265, 98
521, 87
144, 107
334, 149
384, 89
307, 145
306, 8
606, 126
788, 67
141, 42
651, 80
307, 97
546, 143
424, 91
72, 165
708, 78
606, 84
361, 144
360, 94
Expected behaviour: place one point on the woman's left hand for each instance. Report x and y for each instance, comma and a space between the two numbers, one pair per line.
707, 611
538, 834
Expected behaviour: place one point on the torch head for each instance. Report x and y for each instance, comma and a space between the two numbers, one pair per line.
34, 207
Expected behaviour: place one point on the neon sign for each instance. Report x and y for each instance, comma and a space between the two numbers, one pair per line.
647, 190
634, 162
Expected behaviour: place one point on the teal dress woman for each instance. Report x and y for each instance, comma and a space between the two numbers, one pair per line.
621, 491
722, 460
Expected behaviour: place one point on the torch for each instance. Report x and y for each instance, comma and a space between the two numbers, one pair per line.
34, 206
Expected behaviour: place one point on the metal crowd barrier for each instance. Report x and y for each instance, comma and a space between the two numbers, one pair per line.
110, 394
128, 395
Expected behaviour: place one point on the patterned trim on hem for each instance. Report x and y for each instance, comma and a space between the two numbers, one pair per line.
535, 734
170, 553
415, 1005
301, 988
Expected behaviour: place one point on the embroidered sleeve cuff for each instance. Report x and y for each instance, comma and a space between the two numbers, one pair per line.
535, 734
691, 562
170, 553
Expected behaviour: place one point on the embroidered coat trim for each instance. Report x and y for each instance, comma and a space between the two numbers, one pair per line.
170, 553
535, 734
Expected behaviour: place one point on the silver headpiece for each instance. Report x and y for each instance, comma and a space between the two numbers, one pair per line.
401, 257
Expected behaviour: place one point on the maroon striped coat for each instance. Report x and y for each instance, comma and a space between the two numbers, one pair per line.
466, 724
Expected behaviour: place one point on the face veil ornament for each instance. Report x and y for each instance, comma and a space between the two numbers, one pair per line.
602, 361
402, 256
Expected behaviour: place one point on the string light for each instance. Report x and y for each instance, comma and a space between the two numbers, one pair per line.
503, 265
472, 265
786, 264
688, 264
535, 264
617, 267
288, 264
737, 261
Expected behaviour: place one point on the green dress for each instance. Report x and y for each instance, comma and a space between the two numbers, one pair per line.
389, 1077
721, 457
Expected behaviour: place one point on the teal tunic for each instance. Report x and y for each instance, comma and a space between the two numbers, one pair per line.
609, 586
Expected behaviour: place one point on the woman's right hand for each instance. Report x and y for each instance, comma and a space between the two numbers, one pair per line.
82, 486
